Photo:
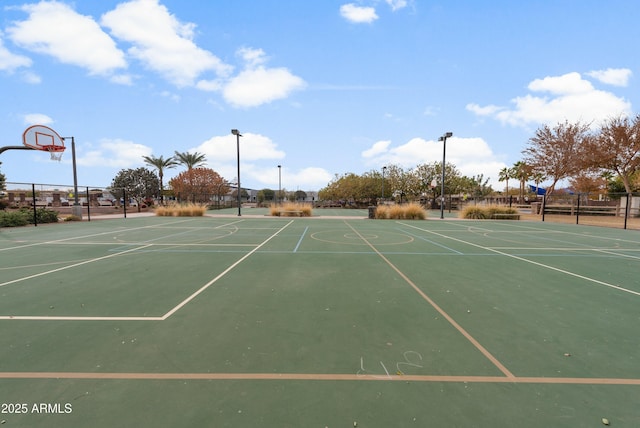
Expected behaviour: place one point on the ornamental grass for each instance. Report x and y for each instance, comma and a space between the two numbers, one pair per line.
291, 209
476, 212
400, 212
181, 210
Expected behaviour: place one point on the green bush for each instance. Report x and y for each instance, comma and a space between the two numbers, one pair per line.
13, 219
489, 212
24, 216
44, 215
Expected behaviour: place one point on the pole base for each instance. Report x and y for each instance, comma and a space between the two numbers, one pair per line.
76, 210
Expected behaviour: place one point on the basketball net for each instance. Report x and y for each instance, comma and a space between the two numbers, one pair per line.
55, 152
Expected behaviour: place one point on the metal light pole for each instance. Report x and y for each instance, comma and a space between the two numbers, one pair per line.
238, 135
76, 209
384, 168
444, 150
279, 183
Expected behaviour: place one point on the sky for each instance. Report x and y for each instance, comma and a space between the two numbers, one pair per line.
320, 87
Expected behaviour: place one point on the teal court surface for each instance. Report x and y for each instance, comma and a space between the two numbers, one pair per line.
251, 321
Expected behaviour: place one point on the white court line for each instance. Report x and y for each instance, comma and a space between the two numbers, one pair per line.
566, 272
295, 250
19, 247
619, 254
133, 318
73, 265
223, 273
69, 318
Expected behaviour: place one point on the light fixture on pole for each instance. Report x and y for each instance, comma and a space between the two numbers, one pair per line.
444, 150
238, 135
279, 184
384, 168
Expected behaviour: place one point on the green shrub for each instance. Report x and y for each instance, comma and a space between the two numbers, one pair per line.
488, 212
44, 215
14, 219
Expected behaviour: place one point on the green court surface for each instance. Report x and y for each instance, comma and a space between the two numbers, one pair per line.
252, 321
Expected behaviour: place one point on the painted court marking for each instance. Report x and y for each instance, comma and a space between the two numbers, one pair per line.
508, 378
442, 312
214, 280
162, 318
566, 272
319, 377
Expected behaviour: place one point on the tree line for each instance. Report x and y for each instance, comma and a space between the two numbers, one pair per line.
603, 159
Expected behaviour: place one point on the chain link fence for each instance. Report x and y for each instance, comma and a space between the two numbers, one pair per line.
88, 202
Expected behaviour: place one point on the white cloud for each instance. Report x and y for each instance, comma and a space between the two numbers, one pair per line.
37, 119
311, 178
161, 42
471, 156
209, 85
397, 4
9, 61
122, 79
252, 57
571, 98
612, 76
114, 153
378, 148
253, 147
257, 84
358, 14
54, 29
31, 78
487, 110
255, 151
570, 83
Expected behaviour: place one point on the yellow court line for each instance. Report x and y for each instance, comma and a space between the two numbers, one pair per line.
442, 312
321, 377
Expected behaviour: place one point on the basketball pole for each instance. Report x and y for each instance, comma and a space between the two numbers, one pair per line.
5, 148
76, 209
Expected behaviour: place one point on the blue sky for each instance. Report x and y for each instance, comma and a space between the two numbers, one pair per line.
320, 87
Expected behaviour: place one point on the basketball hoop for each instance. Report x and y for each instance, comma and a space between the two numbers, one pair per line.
40, 137
55, 152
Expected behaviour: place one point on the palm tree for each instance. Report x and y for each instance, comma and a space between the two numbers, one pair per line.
190, 160
522, 172
160, 164
538, 177
504, 175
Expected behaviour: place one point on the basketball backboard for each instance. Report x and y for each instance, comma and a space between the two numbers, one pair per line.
40, 137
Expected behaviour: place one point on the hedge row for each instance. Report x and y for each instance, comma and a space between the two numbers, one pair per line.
24, 216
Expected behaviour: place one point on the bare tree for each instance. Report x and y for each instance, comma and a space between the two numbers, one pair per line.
617, 149
558, 153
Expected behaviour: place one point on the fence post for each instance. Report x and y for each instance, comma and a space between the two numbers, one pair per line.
544, 204
35, 208
124, 205
578, 210
626, 209
88, 206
